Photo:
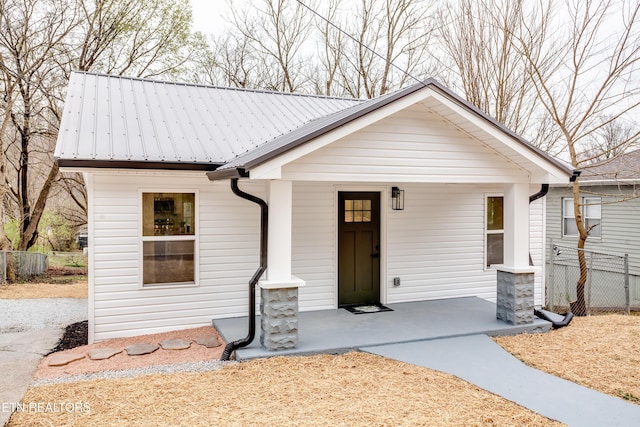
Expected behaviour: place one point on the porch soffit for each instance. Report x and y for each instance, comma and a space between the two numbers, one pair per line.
521, 162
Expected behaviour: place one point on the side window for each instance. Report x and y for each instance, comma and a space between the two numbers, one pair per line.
168, 238
494, 231
569, 228
591, 209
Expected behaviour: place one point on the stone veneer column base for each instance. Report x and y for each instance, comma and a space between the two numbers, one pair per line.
279, 318
515, 297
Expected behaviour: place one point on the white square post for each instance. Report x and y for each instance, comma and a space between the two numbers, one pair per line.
515, 278
279, 291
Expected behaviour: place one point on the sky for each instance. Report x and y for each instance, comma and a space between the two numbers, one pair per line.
207, 15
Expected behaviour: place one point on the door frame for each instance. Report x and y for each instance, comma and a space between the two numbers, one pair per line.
385, 200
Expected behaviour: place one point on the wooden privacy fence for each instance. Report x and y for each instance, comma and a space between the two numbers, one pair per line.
25, 264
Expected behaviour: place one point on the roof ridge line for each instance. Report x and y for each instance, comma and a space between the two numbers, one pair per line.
238, 89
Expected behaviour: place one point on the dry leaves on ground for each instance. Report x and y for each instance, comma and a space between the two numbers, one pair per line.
354, 389
599, 352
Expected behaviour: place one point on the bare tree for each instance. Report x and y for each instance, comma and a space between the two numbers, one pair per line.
383, 46
32, 33
605, 143
41, 41
478, 39
587, 85
276, 31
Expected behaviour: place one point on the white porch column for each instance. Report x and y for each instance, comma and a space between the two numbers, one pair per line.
279, 291
279, 246
516, 226
515, 278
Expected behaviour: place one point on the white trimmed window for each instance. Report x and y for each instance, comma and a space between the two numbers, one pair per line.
591, 210
168, 238
494, 230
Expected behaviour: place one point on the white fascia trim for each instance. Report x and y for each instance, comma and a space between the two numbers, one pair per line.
508, 141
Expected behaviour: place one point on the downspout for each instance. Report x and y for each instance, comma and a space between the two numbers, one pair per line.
544, 189
264, 215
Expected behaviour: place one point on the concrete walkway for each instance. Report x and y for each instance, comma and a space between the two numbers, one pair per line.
478, 360
29, 329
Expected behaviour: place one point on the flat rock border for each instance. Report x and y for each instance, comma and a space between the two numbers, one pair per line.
64, 358
103, 353
141, 349
175, 344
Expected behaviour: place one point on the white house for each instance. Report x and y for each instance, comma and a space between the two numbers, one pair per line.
172, 246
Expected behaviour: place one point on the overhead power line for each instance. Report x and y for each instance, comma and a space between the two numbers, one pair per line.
358, 41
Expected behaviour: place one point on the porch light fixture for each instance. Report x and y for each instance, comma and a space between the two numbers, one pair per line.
397, 199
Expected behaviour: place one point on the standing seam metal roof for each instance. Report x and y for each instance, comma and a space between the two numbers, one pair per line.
109, 120
330, 122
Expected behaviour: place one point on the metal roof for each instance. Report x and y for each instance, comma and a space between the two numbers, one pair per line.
330, 122
113, 121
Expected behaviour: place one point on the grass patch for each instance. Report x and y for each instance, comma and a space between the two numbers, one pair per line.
67, 259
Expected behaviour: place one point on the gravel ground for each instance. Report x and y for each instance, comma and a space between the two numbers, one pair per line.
210, 365
40, 314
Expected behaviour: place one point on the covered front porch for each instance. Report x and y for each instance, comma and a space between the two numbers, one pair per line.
334, 331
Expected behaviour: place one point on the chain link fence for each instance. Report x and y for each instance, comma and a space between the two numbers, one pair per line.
24, 264
607, 287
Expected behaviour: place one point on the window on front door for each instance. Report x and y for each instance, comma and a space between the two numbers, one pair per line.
494, 231
168, 238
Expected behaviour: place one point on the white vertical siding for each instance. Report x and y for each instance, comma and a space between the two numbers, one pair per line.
228, 236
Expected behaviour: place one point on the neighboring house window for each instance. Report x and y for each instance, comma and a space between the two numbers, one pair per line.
591, 209
494, 231
168, 238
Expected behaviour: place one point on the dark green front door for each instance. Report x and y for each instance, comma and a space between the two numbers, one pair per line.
358, 248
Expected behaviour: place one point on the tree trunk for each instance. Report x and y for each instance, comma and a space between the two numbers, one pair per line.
29, 235
579, 306
5, 244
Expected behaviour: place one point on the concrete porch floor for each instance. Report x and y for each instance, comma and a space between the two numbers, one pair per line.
336, 331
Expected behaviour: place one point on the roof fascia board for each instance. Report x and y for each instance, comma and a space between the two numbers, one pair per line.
508, 140
88, 165
273, 168
221, 174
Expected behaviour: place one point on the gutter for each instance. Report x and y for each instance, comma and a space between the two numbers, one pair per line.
264, 216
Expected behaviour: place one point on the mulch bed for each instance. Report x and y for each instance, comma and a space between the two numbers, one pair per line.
75, 335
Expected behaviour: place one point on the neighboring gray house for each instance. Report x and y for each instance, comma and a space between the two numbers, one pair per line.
415, 195
608, 193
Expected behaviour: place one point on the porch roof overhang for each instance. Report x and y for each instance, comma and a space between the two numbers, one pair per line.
267, 160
